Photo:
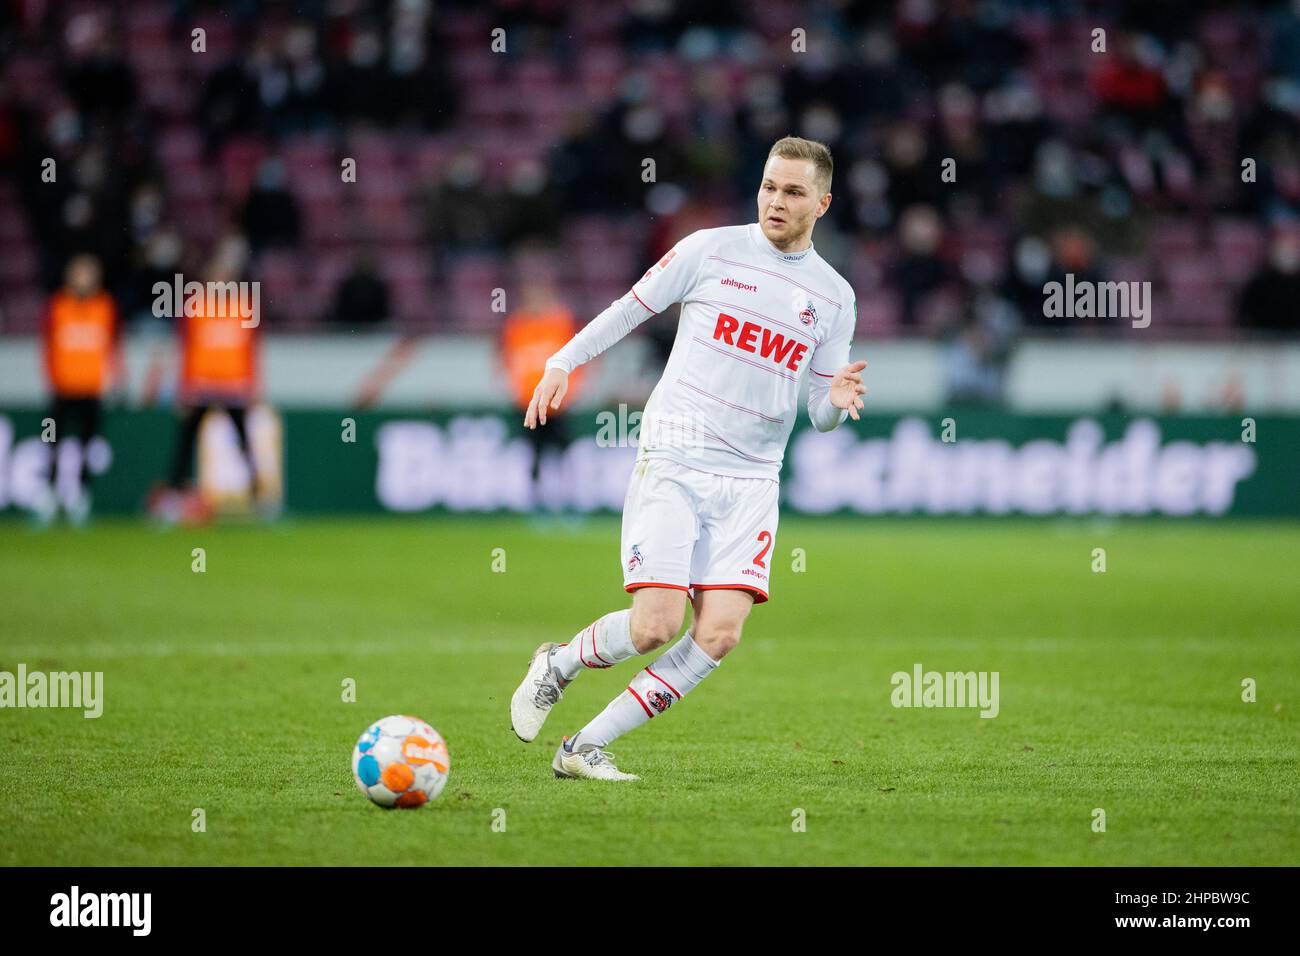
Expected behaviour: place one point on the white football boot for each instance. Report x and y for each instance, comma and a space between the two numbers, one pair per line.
541, 689
589, 762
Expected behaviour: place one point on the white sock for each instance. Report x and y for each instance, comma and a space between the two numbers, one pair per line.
651, 692
600, 644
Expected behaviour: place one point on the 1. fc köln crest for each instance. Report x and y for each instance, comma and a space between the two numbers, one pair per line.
804, 309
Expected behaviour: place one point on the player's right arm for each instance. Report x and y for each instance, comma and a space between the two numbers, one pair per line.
666, 282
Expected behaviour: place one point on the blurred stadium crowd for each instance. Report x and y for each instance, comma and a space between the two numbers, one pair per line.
479, 169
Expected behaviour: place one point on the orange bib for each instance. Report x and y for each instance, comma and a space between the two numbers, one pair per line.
219, 355
528, 340
79, 344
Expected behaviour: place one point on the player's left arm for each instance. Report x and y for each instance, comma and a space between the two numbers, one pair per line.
835, 386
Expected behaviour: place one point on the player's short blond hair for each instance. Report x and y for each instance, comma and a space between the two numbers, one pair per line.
819, 154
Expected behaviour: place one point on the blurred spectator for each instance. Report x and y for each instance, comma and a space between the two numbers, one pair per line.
1073, 253
1272, 296
1130, 86
578, 165
419, 90
977, 353
462, 210
271, 215
82, 362
913, 174
96, 76
528, 208
362, 297
1031, 265
228, 104
158, 259
363, 81
920, 269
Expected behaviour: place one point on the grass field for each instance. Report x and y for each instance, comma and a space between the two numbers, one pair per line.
1119, 691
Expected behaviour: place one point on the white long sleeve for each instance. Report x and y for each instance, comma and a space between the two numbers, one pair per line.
823, 415
611, 325
659, 288
831, 356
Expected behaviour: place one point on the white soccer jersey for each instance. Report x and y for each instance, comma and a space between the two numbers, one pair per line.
754, 322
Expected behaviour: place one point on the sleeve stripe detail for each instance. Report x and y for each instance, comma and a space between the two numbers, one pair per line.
638, 298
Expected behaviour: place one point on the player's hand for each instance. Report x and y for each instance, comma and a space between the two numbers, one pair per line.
548, 394
847, 387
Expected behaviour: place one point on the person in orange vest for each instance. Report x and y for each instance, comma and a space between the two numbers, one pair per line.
219, 369
531, 335
82, 361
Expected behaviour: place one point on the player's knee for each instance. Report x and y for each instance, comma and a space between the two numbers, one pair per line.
718, 638
652, 628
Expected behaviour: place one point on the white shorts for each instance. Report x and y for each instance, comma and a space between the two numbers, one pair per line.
694, 530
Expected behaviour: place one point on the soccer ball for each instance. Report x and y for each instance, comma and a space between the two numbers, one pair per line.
401, 762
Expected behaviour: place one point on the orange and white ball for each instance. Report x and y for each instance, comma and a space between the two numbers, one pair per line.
401, 762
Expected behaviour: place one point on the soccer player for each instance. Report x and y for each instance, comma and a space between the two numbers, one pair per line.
760, 312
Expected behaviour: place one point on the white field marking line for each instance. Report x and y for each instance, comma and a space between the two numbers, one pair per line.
1009, 646
304, 648
764, 645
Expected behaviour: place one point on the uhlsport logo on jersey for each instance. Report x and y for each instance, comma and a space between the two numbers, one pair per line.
635, 561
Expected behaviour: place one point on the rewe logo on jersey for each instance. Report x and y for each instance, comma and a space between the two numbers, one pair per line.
771, 345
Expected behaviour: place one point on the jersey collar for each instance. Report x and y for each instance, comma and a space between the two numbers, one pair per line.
793, 258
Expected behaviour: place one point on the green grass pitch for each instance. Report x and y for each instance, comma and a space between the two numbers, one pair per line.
1119, 690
